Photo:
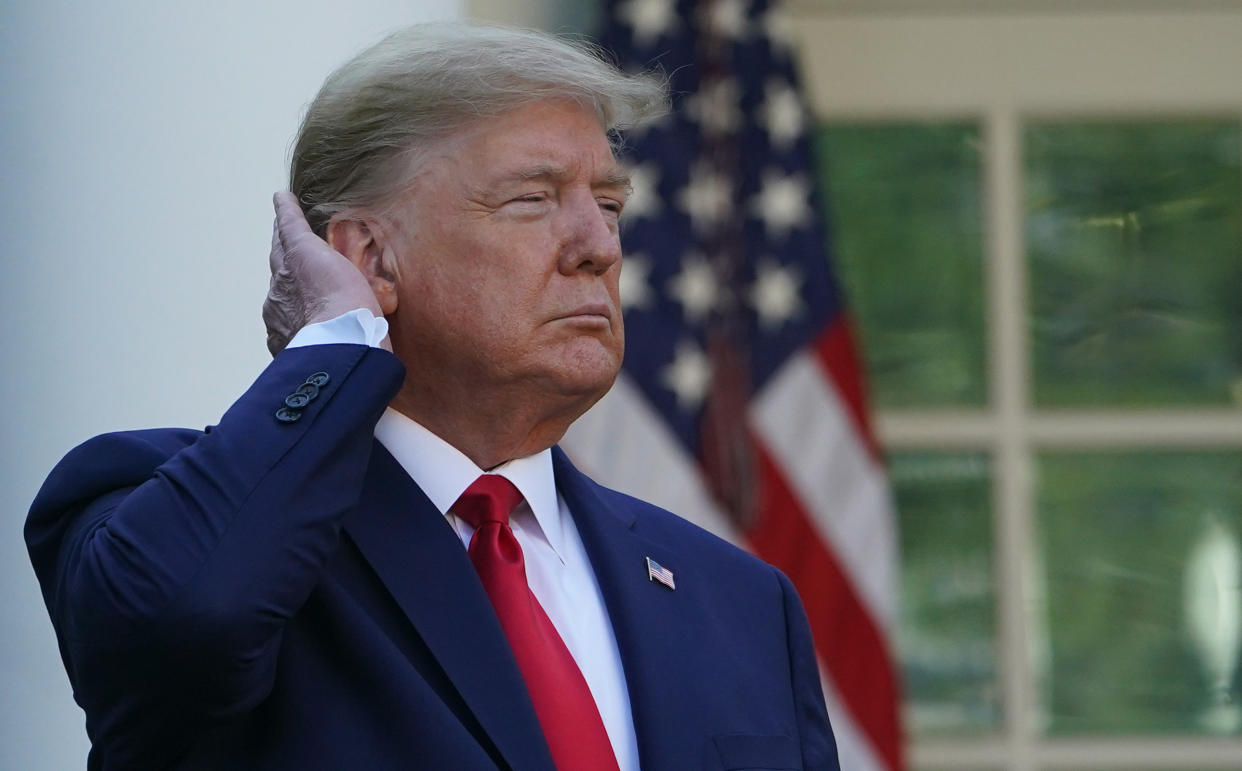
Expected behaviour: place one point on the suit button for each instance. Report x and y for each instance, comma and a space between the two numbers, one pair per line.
309, 389
319, 379
288, 415
297, 400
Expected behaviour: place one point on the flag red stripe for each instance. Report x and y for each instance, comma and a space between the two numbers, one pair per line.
837, 353
847, 638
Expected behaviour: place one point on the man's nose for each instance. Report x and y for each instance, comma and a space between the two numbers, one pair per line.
591, 243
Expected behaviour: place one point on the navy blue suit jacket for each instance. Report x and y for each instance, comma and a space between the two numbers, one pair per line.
272, 595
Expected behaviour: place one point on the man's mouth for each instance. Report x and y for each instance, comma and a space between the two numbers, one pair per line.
589, 311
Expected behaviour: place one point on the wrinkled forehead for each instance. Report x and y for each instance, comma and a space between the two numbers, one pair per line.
551, 140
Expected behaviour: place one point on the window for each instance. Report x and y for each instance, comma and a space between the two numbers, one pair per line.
1038, 211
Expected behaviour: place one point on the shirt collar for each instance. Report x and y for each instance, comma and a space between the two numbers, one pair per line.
444, 472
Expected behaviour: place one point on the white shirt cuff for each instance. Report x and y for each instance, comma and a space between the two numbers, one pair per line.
359, 327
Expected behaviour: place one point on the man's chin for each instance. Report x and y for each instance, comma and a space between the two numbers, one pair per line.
591, 386
586, 382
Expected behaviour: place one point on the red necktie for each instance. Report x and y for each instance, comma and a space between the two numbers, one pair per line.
563, 702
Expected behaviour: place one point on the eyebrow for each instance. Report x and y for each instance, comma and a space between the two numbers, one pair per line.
616, 176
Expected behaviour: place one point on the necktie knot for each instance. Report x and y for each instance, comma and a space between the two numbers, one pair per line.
490, 498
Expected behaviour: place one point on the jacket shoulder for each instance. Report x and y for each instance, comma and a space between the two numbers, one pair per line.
99, 465
108, 462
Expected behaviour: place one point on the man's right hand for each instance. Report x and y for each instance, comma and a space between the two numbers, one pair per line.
311, 281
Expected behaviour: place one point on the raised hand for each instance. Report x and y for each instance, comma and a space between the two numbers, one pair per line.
311, 281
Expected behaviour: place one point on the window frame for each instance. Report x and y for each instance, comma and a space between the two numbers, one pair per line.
1004, 63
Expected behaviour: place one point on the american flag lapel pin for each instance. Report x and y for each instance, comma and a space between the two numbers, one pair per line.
657, 572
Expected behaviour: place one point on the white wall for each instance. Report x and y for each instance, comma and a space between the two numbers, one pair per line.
139, 146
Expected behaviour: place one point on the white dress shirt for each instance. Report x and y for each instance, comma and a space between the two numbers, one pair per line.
557, 567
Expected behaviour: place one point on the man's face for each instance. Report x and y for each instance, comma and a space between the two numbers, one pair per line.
509, 258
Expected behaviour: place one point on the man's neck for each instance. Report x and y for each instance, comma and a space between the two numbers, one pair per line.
492, 431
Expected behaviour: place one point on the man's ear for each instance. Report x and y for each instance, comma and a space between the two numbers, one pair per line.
362, 243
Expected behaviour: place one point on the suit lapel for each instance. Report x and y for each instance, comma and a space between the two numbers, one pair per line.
651, 623
421, 561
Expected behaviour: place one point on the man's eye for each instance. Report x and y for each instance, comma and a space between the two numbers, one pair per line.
611, 205
531, 198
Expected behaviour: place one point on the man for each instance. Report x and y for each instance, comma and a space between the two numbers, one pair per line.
378, 559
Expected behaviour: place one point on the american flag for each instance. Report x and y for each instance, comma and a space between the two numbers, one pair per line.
740, 405
657, 572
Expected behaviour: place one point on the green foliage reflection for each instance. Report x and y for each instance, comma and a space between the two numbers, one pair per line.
1134, 240
904, 202
1118, 532
947, 630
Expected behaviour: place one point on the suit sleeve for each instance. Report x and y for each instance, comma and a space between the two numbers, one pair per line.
819, 747
170, 561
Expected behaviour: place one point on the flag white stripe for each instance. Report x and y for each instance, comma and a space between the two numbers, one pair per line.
805, 425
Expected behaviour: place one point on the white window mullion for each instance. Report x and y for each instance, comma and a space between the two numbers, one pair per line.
1012, 461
